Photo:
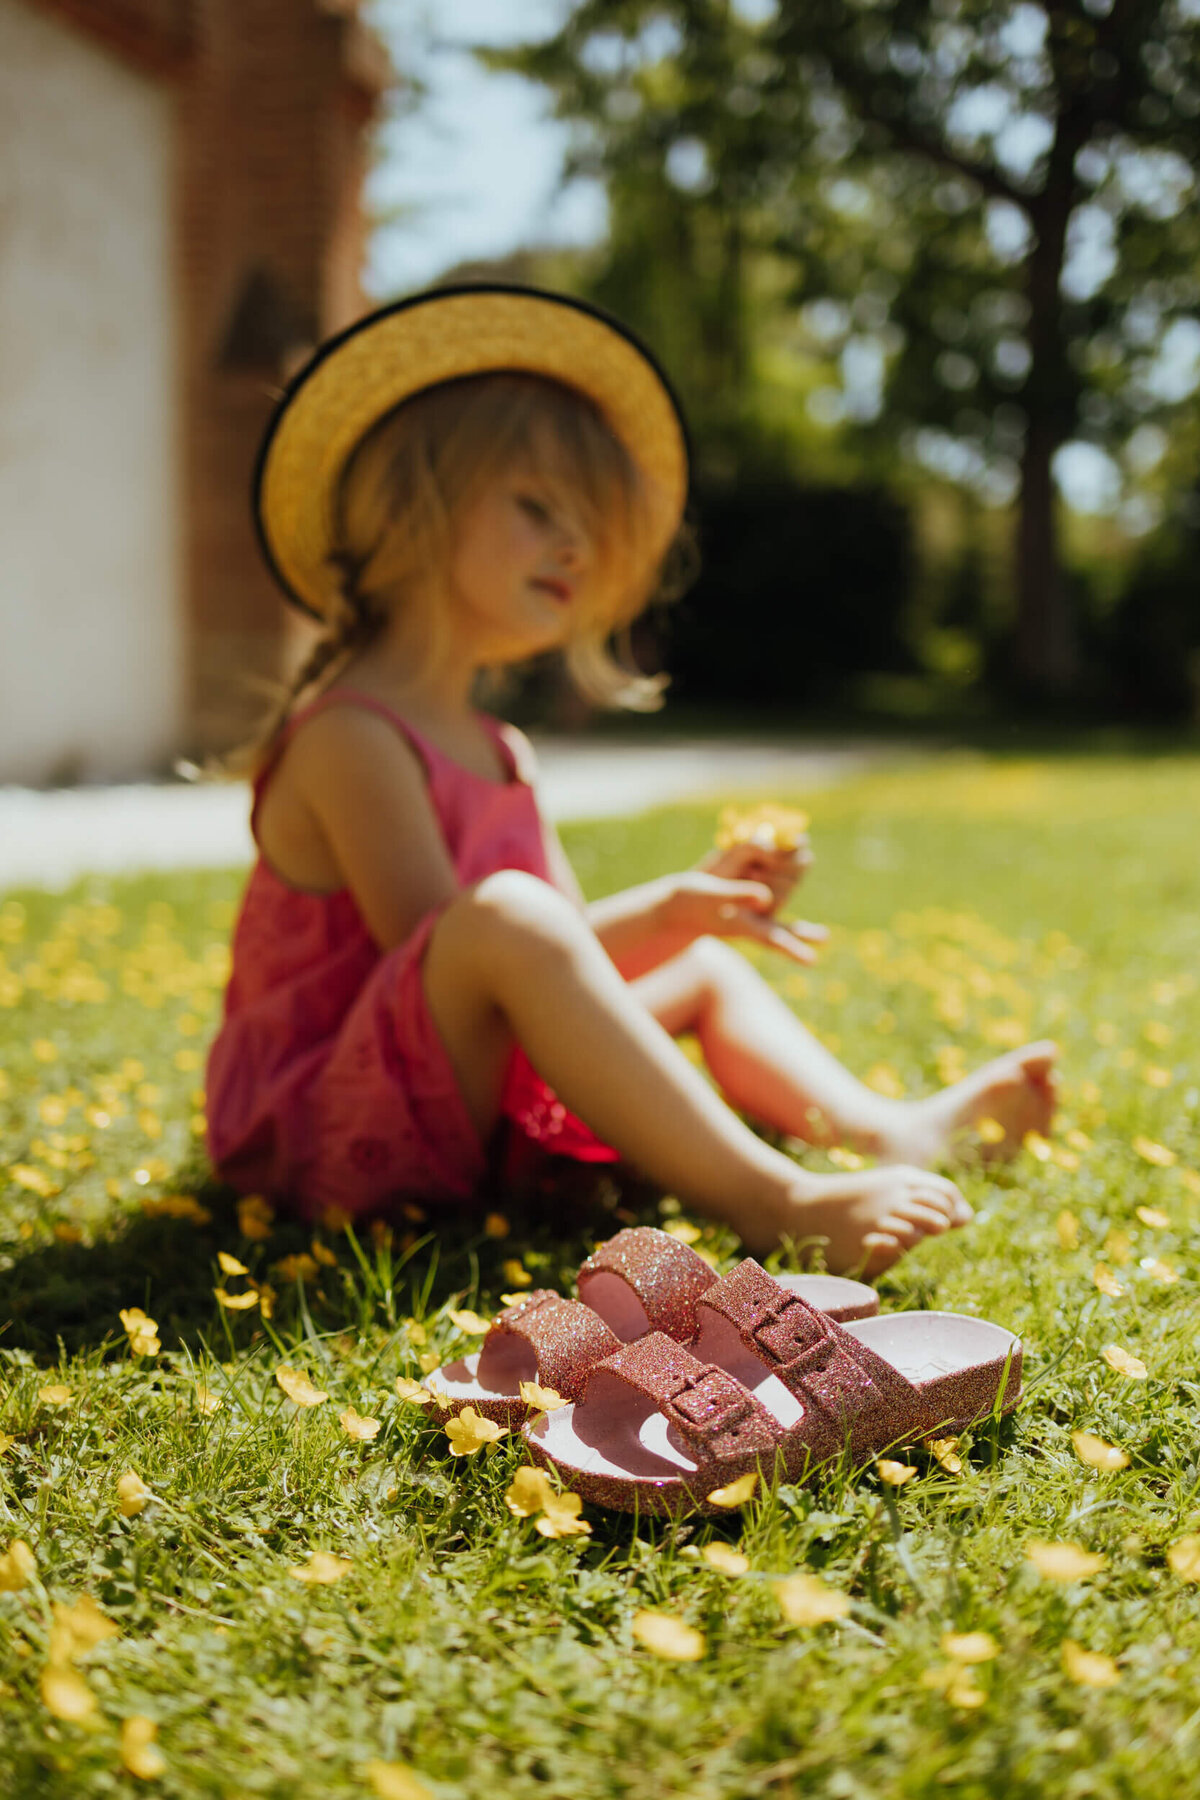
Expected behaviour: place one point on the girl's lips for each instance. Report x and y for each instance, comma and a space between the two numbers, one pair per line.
560, 589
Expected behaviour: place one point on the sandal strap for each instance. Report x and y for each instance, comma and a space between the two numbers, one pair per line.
565, 1336
725, 1428
666, 1275
847, 1391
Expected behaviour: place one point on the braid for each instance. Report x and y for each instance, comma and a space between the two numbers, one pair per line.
355, 624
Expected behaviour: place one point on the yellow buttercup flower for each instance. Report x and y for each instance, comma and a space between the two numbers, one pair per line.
470, 1431
17, 1567
256, 1216
1037, 1146
139, 1752
323, 1254
955, 1683
767, 827
970, 1646
392, 1781
1184, 1558
734, 1493
1150, 1152
1107, 1282
1161, 1271
207, 1402
1119, 1247
721, 1556
1064, 1562
55, 1395
496, 1225
946, 1451
230, 1264
665, 1635
545, 1399
990, 1131
1067, 1229
66, 1695
895, 1473
560, 1517
1089, 1667
133, 1494
300, 1267
298, 1387
1096, 1453
142, 1331
528, 1492
355, 1426
413, 1391
683, 1229
78, 1628
804, 1600
516, 1274
1124, 1363
321, 1569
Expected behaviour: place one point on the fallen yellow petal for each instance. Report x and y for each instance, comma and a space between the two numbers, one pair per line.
230, 1264
355, 1426
970, 1646
1124, 1364
665, 1635
1184, 1558
466, 1320
543, 1398
1089, 1667
1154, 1217
723, 1557
805, 1600
17, 1567
735, 1493
413, 1391
139, 1752
236, 1302
528, 1493
133, 1494
1158, 1154
470, 1431
392, 1781
1096, 1453
67, 1695
321, 1569
1064, 1562
895, 1473
298, 1387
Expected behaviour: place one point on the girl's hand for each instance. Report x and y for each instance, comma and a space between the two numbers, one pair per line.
701, 904
780, 870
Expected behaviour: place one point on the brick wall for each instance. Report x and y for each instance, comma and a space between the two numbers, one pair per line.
274, 98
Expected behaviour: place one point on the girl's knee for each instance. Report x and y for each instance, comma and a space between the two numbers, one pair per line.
511, 912
717, 964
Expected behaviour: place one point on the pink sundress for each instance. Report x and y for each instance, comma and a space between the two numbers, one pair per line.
327, 1083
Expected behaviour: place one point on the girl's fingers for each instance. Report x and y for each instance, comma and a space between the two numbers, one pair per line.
804, 928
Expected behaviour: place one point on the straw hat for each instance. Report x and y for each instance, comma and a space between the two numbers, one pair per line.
398, 351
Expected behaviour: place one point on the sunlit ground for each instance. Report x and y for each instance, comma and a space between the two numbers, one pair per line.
306, 1593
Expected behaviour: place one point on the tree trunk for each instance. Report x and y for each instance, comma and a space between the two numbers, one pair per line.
1046, 660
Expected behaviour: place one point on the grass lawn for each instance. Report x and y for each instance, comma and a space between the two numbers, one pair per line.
458, 1650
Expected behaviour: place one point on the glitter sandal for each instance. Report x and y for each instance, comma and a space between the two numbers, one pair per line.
773, 1384
640, 1280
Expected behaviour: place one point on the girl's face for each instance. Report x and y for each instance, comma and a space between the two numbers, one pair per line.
520, 569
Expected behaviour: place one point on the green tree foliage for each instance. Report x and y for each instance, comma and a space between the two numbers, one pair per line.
984, 209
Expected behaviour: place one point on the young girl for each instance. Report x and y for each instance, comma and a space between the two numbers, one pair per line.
455, 485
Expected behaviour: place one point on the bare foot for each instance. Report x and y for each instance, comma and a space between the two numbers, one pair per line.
865, 1221
1016, 1091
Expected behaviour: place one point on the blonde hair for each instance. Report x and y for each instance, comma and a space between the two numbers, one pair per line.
410, 480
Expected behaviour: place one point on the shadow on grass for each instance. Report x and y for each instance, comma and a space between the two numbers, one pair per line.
67, 1297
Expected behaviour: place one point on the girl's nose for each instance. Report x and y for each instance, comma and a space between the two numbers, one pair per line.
570, 547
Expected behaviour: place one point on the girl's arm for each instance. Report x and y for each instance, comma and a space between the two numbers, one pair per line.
365, 788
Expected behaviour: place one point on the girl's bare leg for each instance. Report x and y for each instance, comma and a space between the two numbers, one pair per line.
512, 959
770, 1066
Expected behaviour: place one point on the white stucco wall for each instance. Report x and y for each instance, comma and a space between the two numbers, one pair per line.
91, 629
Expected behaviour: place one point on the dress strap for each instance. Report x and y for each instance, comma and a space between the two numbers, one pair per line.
426, 751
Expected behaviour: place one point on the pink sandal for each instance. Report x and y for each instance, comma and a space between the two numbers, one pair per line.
773, 1385
641, 1280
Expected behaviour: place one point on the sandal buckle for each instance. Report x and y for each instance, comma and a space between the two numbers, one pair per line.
713, 1398
796, 1341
